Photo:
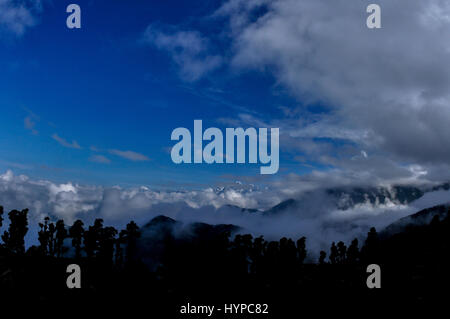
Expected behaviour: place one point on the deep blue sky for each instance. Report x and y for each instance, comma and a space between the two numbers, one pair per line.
102, 87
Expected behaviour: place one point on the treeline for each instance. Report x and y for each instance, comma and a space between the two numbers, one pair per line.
103, 243
209, 266
112, 246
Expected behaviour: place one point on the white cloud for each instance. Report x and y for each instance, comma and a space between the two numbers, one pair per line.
188, 49
130, 155
30, 123
315, 216
43, 197
118, 206
388, 89
71, 201
65, 143
16, 16
100, 159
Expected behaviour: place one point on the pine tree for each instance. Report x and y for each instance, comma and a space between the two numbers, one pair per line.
131, 234
1, 216
301, 249
322, 257
76, 231
353, 252
14, 238
61, 234
370, 250
43, 236
333, 253
342, 252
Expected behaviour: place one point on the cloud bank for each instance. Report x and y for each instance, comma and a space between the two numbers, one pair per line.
386, 92
388, 89
315, 215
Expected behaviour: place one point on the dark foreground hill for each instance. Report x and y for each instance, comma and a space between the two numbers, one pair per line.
162, 232
164, 265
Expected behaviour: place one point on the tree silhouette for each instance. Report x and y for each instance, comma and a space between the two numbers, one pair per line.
14, 238
106, 244
61, 234
257, 255
333, 253
76, 231
1, 221
370, 250
241, 248
122, 240
92, 238
342, 252
322, 257
131, 234
288, 257
353, 252
51, 239
43, 236
272, 257
301, 249
1, 216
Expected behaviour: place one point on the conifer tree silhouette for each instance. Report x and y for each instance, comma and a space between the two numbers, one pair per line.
106, 244
288, 257
353, 252
121, 240
342, 252
76, 231
257, 255
333, 253
370, 250
14, 238
322, 257
301, 249
1, 216
43, 236
51, 239
131, 235
92, 238
61, 234
1, 221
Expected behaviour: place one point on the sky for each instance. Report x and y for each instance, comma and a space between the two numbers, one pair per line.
96, 106
74, 102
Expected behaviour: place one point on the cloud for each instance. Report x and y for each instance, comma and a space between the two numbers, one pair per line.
315, 216
30, 123
388, 90
130, 155
15, 165
71, 201
44, 197
100, 159
64, 143
16, 16
188, 49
